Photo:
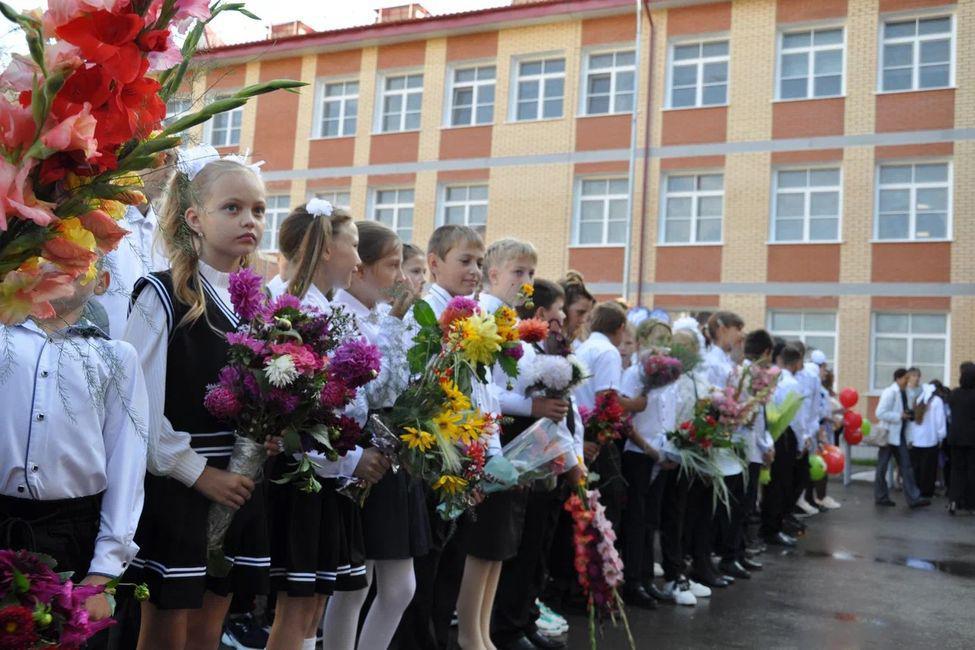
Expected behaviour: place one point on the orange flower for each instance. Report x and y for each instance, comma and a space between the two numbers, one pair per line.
105, 229
28, 291
532, 330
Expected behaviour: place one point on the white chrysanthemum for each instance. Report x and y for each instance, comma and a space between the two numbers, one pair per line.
580, 367
280, 371
552, 371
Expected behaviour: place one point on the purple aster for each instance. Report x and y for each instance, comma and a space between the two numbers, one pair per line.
336, 394
285, 301
355, 363
246, 293
239, 338
286, 401
515, 352
222, 403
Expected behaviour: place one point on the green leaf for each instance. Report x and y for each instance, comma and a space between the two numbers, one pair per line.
509, 365
21, 583
244, 12
423, 313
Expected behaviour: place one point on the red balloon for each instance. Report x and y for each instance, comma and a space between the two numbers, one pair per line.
853, 436
832, 449
852, 420
849, 397
834, 462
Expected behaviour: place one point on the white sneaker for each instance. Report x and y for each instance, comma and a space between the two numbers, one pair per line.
680, 593
830, 503
551, 620
658, 571
806, 507
548, 627
699, 590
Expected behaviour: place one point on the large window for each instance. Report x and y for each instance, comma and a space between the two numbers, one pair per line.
811, 64
223, 130
610, 80
816, 329
913, 201
338, 198
540, 89
177, 107
472, 95
601, 212
465, 205
402, 97
395, 209
906, 340
693, 206
337, 109
278, 207
807, 205
698, 74
916, 53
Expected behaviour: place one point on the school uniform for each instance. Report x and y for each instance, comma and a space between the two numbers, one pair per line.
758, 442
778, 497
317, 544
179, 361
926, 439
138, 254
809, 418
72, 447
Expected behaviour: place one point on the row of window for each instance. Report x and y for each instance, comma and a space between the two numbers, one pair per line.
915, 54
897, 340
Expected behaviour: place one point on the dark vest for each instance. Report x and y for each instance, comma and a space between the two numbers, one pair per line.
196, 354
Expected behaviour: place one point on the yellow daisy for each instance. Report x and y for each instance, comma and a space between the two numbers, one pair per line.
447, 422
417, 438
450, 484
473, 428
456, 400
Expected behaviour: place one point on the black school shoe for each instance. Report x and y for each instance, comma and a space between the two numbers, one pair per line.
244, 633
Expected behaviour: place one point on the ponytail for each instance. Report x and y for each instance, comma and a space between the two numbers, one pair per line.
315, 232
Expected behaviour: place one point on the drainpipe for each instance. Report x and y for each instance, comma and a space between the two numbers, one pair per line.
632, 170
646, 162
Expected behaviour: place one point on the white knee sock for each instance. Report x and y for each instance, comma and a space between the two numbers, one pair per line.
308, 644
342, 617
395, 585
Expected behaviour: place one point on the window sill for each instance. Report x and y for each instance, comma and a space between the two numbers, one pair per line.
331, 137
541, 119
597, 245
827, 242
947, 240
703, 244
789, 100
582, 117
666, 109
451, 127
913, 90
395, 132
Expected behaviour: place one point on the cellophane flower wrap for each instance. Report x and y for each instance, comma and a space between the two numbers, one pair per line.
81, 118
444, 433
41, 608
607, 420
538, 452
597, 562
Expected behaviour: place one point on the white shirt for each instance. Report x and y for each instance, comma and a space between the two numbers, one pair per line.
719, 367
660, 414
74, 425
277, 285
789, 384
889, 411
811, 409
137, 255
934, 425
605, 366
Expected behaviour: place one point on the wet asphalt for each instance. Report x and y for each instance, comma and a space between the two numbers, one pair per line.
862, 577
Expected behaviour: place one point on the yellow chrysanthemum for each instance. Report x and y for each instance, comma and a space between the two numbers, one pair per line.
505, 318
417, 438
528, 290
456, 400
450, 484
479, 340
448, 424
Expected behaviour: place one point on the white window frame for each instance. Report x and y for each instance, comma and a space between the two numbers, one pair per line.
811, 50
803, 332
875, 387
695, 195
916, 41
466, 204
273, 216
606, 198
613, 75
320, 99
208, 129
700, 62
374, 205
405, 92
332, 196
181, 99
912, 207
806, 192
541, 78
476, 85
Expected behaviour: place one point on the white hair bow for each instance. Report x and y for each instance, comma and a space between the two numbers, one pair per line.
319, 208
192, 161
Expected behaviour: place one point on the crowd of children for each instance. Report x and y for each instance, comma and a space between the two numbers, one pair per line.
109, 422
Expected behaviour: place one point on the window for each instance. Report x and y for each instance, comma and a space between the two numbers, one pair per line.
609, 82
278, 207
807, 205
395, 209
338, 107
601, 211
338, 198
693, 205
913, 201
698, 74
916, 53
816, 329
401, 99
224, 128
540, 89
176, 108
472, 96
906, 340
465, 205
811, 64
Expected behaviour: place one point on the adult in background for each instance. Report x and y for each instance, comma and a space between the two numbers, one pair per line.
961, 437
894, 414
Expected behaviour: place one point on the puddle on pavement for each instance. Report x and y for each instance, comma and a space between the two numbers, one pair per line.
959, 568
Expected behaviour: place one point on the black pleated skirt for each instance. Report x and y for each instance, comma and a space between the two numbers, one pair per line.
494, 533
395, 522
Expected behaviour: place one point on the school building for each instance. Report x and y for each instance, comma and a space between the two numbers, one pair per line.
808, 165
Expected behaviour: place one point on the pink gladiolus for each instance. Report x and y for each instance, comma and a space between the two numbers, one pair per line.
16, 126
28, 292
76, 132
199, 9
17, 198
19, 75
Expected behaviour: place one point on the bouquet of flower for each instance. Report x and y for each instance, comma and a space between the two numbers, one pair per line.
538, 452
79, 119
606, 421
40, 608
526, 293
658, 370
778, 417
597, 562
290, 372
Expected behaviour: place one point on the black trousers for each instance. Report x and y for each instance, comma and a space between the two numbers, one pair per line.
673, 509
638, 524
962, 490
698, 519
800, 479
924, 462
728, 521
65, 529
750, 504
524, 576
612, 484
778, 496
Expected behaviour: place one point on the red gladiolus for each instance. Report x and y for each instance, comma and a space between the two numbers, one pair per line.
85, 85
106, 230
108, 39
154, 41
16, 627
68, 256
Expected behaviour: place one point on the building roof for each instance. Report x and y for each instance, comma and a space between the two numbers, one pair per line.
477, 20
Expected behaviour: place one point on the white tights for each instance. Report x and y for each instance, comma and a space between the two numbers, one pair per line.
395, 584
